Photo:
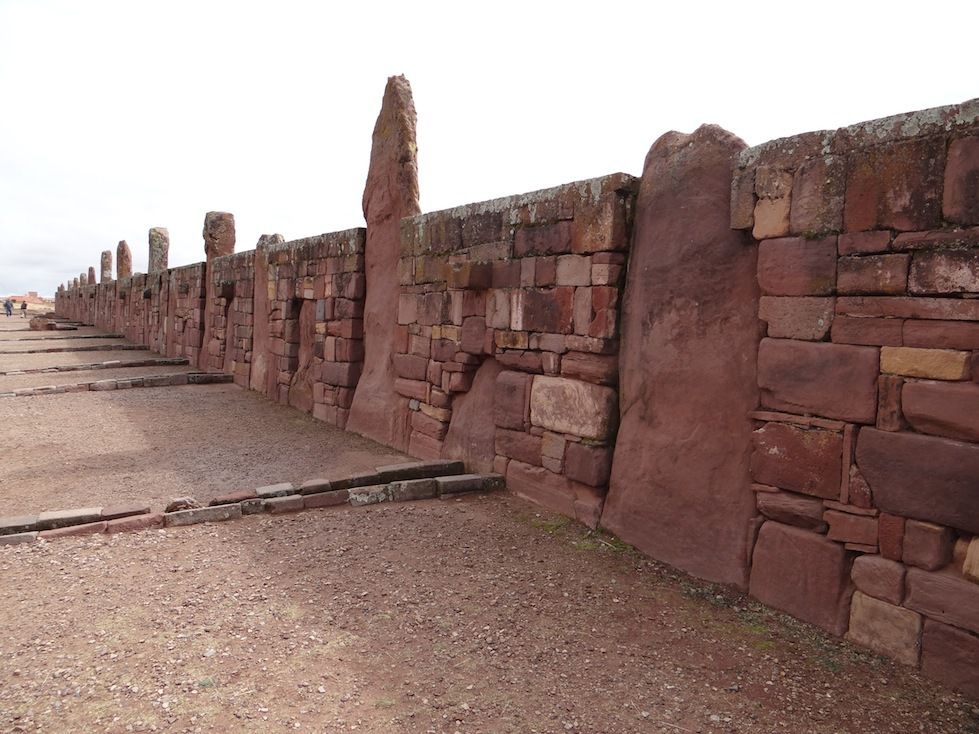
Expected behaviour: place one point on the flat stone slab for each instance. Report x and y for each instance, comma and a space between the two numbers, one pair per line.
17, 524
117, 511
276, 490
18, 538
470, 483
419, 470
232, 498
364, 479
279, 505
202, 514
326, 499
135, 522
63, 518
315, 486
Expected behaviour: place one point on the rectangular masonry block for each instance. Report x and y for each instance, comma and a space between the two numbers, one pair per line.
805, 317
203, 514
944, 596
798, 459
18, 538
885, 628
135, 523
362, 479
571, 406
470, 483
790, 508
949, 655
867, 331
941, 334
275, 490
873, 275
960, 200
70, 531
945, 272
280, 505
927, 545
63, 518
879, 577
326, 499
17, 524
116, 511
949, 409
847, 528
420, 470
936, 364
794, 266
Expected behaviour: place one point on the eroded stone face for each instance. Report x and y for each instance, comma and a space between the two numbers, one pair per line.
106, 266
572, 406
219, 234
91, 275
159, 239
124, 260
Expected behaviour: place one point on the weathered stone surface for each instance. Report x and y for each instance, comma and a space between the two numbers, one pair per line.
869, 332
944, 596
573, 406
413, 489
519, 445
71, 531
419, 470
283, 504
326, 499
470, 483
792, 509
817, 195
680, 488
135, 523
182, 503
18, 538
885, 628
124, 260
589, 465
949, 655
219, 234
845, 527
960, 202
159, 249
106, 266
879, 577
941, 334
598, 368
803, 574
908, 307
63, 518
832, 380
923, 477
115, 512
807, 318
91, 275
799, 459
853, 243
927, 545
391, 193
873, 274
937, 364
203, 514
17, 524
275, 490
943, 408
252, 507
945, 271
555, 492
363, 479
794, 266
472, 432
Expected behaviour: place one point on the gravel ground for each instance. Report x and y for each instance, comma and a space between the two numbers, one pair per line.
38, 379
10, 362
481, 615
154, 444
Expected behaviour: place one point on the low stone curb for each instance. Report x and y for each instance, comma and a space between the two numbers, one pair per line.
70, 336
175, 378
110, 364
411, 481
93, 348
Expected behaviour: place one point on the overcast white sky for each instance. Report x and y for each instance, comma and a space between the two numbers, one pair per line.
120, 116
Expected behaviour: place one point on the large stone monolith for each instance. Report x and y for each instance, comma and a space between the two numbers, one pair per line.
106, 274
680, 489
219, 234
124, 260
83, 279
91, 275
159, 249
75, 283
390, 194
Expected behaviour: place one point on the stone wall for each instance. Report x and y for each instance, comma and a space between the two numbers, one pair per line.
231, 291
866, 456
508, 327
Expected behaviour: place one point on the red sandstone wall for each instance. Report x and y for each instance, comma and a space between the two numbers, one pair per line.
231, 282
508, 333
866, 457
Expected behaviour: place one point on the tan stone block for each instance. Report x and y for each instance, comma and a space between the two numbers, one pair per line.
936, 364
970, 566
571, 406
771, 218
885, 628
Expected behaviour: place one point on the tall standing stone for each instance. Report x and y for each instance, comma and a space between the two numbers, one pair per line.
680, 487
219, 234
159, 249
75, 283
124, 260
390, 194
106, 263
91, 275
82, 279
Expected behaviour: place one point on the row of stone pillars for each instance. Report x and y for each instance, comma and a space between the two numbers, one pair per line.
219, 239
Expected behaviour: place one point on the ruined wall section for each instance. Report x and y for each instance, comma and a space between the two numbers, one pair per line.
182, 318
505, 356
314, 309
866, 457
232, 295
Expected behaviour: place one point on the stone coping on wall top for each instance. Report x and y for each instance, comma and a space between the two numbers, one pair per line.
346, 242
794, 149
396, 483
589, 191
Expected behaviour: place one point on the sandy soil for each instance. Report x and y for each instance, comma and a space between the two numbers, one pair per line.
37, 379
154, 444
10, 362
475, 616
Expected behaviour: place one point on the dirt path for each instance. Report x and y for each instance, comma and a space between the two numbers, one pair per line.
473, 616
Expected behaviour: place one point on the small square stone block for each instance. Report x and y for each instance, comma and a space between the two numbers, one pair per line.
275, 490
202, 514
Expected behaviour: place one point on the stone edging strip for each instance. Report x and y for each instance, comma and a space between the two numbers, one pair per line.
94, 348
175, 378
110, 364
59, 338
394, 483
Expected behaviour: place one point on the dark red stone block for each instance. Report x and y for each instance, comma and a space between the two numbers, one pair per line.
949, 409
519, 445
548, 239
960, 202
799, 459
869, 332
589, 465
949, 655
511, 404
873, 274
794, 266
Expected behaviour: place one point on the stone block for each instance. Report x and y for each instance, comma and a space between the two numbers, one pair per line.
873, 275
63, 518
804, 317
416, 389
867, 331
943, 408
548, 239
949, 655
518, 445
941, 334
370, 495
116, 511
284, 504
945, 272
544, 310
511, 400
572, 406
326, 499
473, 333
574, 270
470, 483
970, 561
890, 536
419, 470
833, 380
275, 490
794, 266
792, 509
410, 367
231, 498
17, 524
943, 596
923, 477
879, 577
817, 195
799, 459
591, 465
602, 369
895, 186
135, 523
362, 479
803, 574
848, 528
854, 243
927, 545
555, 492
960, 200
885, 628
949, 309
203, 514
71, 531
471, 275
413, 489
772, 218
18, 538
936, 364
889, 391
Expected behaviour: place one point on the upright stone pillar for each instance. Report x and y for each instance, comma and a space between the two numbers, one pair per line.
106, 266
82, 279
124, 260
159, 249
390, 194
75, 283
91, 275
219, 234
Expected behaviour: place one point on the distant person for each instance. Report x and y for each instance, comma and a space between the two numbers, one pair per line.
8, 307
23, 309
